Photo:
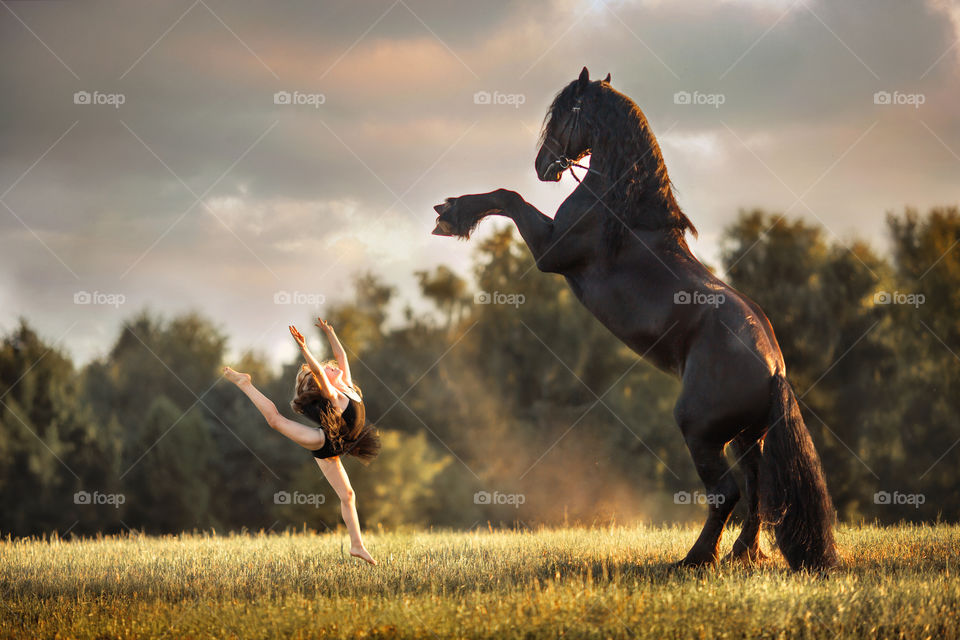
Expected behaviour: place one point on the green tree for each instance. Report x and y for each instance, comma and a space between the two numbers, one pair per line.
169, 487
50, 444
924, 320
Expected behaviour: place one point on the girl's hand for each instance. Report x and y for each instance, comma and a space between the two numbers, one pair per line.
323, 324
297, 336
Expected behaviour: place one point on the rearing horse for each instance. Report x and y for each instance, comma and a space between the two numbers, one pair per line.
618, 240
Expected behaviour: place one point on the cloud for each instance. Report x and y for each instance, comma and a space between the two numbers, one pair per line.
201, 191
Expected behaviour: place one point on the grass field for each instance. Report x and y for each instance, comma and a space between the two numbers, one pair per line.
592, 583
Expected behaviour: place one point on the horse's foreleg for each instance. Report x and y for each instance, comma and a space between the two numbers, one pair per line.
460, 216
722, 495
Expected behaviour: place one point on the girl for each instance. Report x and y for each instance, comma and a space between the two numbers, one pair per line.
326, 394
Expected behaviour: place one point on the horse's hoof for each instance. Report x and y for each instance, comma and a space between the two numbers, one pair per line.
443, 228
752, 556
447, 220
694, 563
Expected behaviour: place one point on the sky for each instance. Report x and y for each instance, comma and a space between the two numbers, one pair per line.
246, 160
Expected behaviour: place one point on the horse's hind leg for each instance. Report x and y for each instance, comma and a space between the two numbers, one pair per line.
747, 546
722, 494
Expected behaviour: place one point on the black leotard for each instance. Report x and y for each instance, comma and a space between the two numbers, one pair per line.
354, 417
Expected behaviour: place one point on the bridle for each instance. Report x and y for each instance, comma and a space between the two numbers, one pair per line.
564, 160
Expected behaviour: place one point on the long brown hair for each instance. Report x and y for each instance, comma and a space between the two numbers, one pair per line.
361, 441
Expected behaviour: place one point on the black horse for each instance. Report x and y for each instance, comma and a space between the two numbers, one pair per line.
618, 239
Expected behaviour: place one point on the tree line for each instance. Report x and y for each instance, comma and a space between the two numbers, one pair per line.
501, 401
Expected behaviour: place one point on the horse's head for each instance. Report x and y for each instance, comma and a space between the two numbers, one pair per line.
565, 137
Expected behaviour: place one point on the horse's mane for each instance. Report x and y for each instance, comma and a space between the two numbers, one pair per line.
642, 194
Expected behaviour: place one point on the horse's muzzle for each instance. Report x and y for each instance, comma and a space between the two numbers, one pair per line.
551, 173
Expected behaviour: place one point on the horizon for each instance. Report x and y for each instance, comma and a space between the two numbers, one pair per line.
204, 157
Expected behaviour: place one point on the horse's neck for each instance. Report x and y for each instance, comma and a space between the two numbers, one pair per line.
589, 188
600, 182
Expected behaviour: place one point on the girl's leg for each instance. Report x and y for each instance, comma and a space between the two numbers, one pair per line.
336, 475
307, 437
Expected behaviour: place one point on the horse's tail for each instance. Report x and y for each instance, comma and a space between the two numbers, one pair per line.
793, 492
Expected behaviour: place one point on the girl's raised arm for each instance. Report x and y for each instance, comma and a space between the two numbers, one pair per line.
326, 388
338, 351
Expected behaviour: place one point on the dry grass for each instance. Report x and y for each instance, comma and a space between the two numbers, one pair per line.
594, 583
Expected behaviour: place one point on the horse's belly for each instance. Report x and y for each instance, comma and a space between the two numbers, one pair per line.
644, 327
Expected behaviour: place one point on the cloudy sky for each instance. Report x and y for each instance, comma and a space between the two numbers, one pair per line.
143, 155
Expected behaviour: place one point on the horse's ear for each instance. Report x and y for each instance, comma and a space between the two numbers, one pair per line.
584, 78
607, 79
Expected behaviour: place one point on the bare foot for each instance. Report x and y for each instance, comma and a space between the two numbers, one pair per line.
363, 554
235, 376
